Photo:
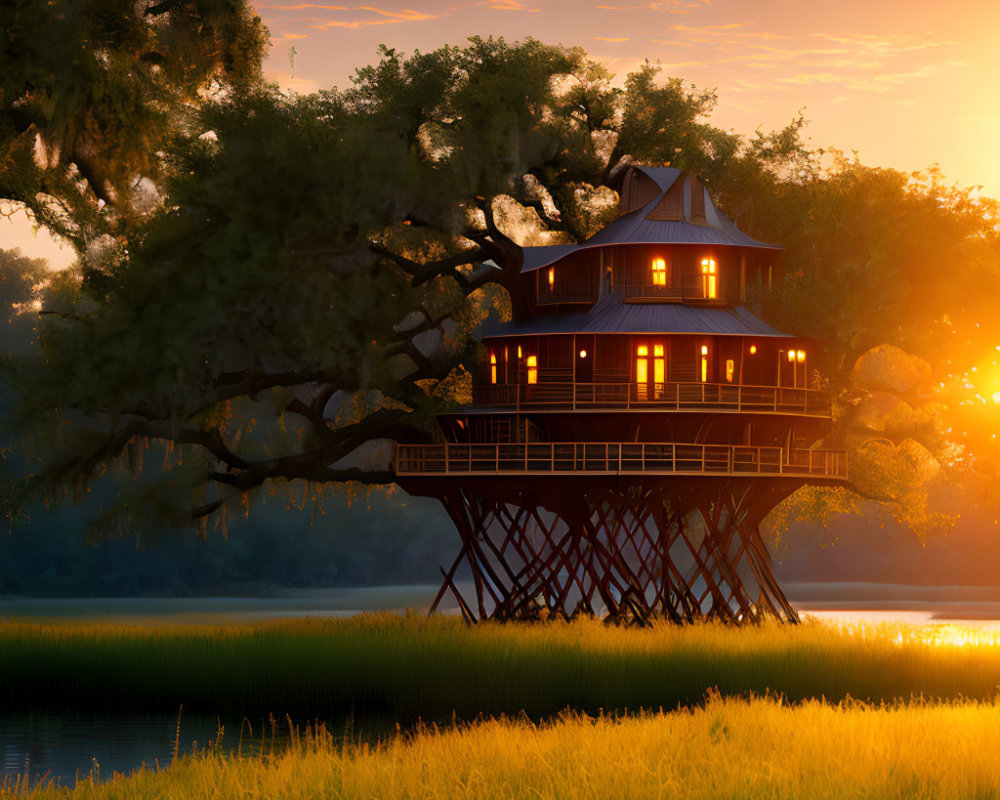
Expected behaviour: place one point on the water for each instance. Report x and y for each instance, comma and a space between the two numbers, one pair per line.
65, 747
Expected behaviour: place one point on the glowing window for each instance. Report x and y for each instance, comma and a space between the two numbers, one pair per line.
642, 364
730, 370
532, 369
493, 367
659, 368
659, 272
704, 363
552, 277
708, 278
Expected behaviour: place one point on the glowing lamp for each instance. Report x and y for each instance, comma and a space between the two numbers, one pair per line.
583, 354
791, 356
704, 350
552, 276
519, 351
753, 349
800, 356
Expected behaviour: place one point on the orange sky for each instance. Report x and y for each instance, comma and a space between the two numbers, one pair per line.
906, 84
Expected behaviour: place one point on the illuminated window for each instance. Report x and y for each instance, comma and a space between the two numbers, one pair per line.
642, 364
493, 367
532, 369
708, 278
659, 370
552, 277
730, 370
659, 272
704, 363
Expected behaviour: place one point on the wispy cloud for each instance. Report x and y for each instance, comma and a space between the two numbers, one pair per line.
612, 38
303, 6
382, 17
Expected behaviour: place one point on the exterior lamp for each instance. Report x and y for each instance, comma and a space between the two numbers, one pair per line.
552, 277
583, 354
791, 356
519, 351
753, 349
800, 356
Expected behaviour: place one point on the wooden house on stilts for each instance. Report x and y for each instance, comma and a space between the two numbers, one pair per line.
627, 437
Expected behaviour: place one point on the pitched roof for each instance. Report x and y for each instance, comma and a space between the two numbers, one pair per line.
612, 315
642, 227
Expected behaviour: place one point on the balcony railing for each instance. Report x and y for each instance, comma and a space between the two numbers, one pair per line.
654, 397
668, 294
549, 297
617, 458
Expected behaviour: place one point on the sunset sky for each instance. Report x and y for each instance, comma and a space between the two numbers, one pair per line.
904, 84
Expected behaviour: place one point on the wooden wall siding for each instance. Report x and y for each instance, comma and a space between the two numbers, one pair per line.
632, 267
671, 205
637, 191
684, 361
697, 198
575, 279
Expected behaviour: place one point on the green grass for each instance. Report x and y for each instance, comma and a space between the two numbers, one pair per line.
726, 748
404, 668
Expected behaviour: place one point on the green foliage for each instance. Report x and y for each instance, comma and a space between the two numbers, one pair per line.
92, 90
297, 296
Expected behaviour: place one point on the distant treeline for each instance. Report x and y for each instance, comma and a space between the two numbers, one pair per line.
397, 540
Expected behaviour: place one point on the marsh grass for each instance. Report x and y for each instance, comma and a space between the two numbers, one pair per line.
401, 669
723, 748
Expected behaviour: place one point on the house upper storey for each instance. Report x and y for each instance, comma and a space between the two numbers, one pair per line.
670, 244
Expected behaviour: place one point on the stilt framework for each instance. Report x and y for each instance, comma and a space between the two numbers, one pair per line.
681, 550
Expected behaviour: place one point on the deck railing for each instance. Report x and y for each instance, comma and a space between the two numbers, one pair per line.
617, 458
676, 294
657, 396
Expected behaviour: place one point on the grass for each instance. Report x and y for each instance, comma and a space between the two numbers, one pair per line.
724, 748
402, 669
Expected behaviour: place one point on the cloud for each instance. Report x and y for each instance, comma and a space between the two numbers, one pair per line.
384, 18
303, 6
611, 38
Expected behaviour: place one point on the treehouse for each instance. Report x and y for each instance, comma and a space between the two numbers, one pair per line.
630, 430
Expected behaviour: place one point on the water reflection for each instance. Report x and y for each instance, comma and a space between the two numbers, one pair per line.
69, 747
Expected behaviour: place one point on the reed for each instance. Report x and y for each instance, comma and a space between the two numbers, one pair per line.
404, 668
724, 748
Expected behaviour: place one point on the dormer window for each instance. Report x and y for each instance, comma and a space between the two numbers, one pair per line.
532, 369
709, 285
659, 272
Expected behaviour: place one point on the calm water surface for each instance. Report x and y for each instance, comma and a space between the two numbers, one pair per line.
67, 747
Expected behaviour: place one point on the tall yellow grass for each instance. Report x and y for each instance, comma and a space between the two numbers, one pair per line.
725, 748
404, 668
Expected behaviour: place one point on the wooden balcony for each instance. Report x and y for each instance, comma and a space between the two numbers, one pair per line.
653, 397
654, 293
618, 458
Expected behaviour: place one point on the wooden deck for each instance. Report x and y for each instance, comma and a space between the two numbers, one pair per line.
617, 458
654, 397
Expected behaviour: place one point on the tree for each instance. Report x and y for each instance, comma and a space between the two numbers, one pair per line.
91, 93
304, 295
